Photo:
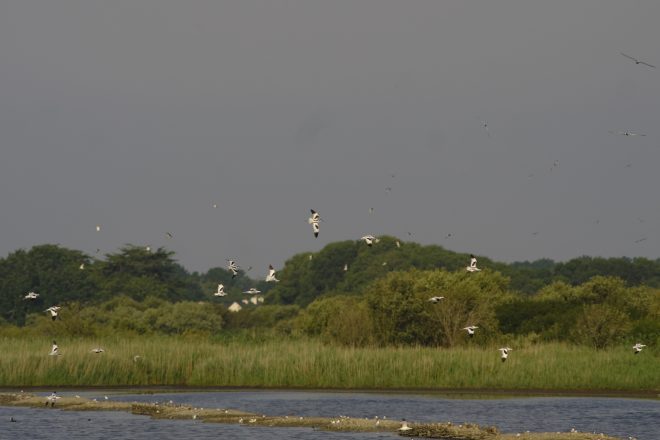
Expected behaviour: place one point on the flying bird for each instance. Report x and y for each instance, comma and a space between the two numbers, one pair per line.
98, 228
638, 347
54, 350
637, 61
484, 124
473, 264
97, 350
169, 235
271, 274
314, 220
346, 267
369, 240
82, 266
31, 295
232, 267
626, 133
54, 310
252, 291
505, 353
470, 329
221, 290
436, 299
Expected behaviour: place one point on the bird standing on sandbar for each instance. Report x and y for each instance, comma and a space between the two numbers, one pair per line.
52, 399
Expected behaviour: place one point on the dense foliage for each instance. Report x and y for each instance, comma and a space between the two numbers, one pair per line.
347, 293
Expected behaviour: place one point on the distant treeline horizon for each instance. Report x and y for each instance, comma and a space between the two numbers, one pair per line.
347, 292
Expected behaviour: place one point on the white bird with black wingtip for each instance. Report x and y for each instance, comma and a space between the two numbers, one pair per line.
271, 275
505, 353
314, 220
97, 350
369, 240
31, 295
473, 264
470, 329
637, 348
221, 290
54, 350
436, 299
54, 311
252, 291
232, 267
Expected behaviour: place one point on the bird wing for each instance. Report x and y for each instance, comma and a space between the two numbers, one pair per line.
628, 56
646, 64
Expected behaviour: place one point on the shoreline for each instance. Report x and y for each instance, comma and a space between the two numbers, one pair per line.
476, 392
464, 431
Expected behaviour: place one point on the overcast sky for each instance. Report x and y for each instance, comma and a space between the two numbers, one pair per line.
139, 115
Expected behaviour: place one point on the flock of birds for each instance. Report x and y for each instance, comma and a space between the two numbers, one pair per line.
314, 220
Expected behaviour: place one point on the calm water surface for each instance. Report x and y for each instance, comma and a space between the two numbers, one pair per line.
615, 416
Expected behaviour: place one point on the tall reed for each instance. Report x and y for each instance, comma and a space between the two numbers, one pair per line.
312, 364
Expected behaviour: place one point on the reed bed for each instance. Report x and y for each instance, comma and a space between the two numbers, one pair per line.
313, 364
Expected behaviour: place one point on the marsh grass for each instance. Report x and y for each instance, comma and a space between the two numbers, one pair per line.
312, 364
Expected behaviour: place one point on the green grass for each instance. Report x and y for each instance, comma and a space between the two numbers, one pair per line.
313, 364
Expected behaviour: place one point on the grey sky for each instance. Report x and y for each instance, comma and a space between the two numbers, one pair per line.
139, 115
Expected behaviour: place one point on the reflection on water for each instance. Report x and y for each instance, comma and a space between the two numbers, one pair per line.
615, 416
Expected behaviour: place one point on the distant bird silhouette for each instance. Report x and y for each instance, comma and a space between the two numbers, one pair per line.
637, 61
626, 133
169, 235
484, 124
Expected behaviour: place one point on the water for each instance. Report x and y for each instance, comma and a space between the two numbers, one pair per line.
615, 416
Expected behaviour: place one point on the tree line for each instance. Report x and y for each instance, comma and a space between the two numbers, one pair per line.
346, 293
